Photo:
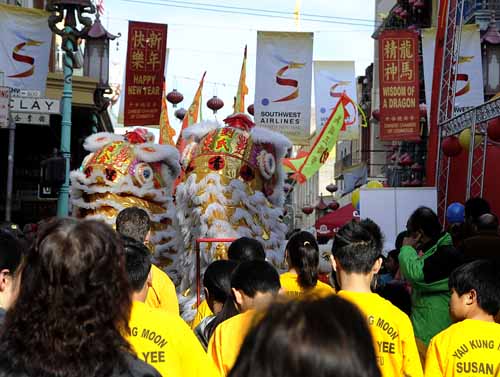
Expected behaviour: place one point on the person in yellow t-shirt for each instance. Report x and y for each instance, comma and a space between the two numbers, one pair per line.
243, 249
135, 223
471, 346
356, 259
254, 285
160, 338
302, 256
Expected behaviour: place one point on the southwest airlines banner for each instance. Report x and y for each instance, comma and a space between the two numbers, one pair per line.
283, 83
331, 79
25, 40
469, 90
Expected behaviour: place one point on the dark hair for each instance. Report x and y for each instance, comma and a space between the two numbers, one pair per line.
303, 256
372, 227
324, 337
246, 249
356, 247
425, 220
394, 254
398, 295
475, 207
255, 276
400, 238
73, 306
11, 252
482, 276
486, 222
133, 222
217, 279
137, 262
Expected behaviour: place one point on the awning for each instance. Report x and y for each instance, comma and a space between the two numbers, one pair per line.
329, 224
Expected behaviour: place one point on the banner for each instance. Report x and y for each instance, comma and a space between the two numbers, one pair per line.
146, 50
469, 90
24, 47
331, 79
306, 164
399, 86
354, 177
283, 83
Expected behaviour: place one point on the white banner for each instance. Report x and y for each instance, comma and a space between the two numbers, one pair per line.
331, 79
469, 88
24, 47
283, 83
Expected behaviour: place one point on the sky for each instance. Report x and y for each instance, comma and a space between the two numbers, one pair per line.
214, 41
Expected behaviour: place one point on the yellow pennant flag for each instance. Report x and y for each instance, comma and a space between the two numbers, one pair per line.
239, 102
167, 133
191, 116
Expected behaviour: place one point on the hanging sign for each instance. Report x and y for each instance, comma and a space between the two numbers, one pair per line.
146, 52
4, 106
399, 86
283, 83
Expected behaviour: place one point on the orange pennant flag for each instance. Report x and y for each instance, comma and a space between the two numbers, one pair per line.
167, 133
191, 116
239, 102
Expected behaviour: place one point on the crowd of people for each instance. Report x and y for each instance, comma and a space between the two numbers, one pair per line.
78, 298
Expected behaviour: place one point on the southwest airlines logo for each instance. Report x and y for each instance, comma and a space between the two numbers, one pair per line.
336, 91
282, 80
24, 58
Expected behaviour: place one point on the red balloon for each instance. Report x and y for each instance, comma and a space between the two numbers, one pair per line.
494, 129
451, 146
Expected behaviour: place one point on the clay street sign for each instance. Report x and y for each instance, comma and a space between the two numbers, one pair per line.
34, 105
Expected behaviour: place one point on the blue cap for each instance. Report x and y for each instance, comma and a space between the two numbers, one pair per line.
455, 213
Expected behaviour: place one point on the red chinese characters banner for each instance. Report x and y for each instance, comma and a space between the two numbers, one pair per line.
399, 86
146, 50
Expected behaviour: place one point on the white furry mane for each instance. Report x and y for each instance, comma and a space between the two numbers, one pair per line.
198, 130
280, 142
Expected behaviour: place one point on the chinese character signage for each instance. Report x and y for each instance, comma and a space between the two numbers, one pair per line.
146, 52
399, 86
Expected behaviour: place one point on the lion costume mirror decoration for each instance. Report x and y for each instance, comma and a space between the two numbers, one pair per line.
232, 187
128, 170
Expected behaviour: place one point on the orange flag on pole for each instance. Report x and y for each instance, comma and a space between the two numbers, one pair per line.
239, 102
191, 116
167, 133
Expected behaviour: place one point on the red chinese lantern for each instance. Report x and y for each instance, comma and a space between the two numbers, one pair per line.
174, 97
331, 188
334, 205
376, 114
251, 109
307, 210
321, 206
215, 103
494, 129
180, 113
451, 146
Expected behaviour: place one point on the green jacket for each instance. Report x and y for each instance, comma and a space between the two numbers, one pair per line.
430, 300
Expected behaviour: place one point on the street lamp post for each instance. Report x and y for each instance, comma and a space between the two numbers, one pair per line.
68, 11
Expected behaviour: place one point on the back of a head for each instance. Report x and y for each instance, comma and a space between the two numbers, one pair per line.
11, 252
137, 262
217, 279
303, 255
356, 248
325, 337
255, 276
425, 220
246, 249
487, 222
133, 222
399, 239
482, 276
474, 208
75, 289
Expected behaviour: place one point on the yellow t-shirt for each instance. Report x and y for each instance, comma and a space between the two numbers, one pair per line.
164, 341
467, 348
225, 343
202, 312
392, 332
162, 294
292, 288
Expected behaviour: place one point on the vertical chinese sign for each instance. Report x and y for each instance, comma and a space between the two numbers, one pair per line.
399, 86
146, 52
